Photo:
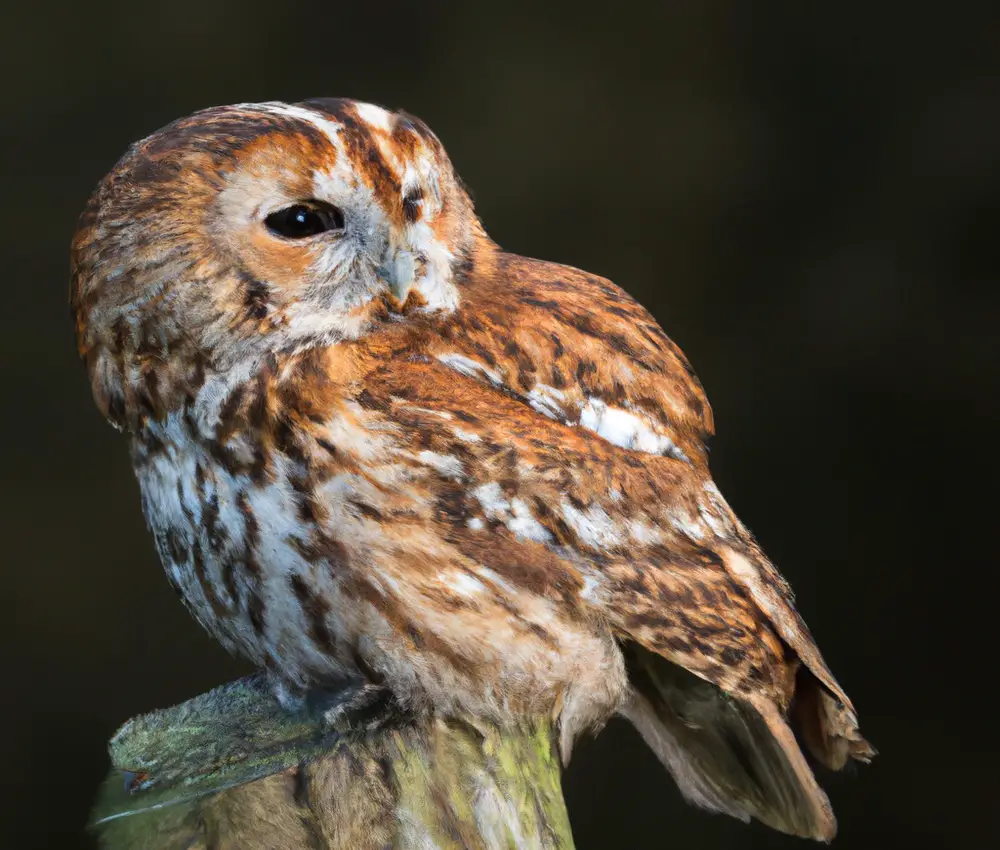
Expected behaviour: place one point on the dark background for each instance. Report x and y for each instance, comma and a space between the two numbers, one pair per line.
808, 201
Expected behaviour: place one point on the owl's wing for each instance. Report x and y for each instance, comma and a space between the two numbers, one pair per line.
581, 352
564, 423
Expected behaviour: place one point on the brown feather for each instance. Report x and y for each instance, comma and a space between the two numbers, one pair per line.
393, 451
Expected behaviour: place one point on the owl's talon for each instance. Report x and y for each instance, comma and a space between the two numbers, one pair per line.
347, 705
363, 705
289, 698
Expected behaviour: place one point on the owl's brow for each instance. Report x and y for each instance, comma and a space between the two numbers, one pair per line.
226, 130
300, 116
379, 144
356, 130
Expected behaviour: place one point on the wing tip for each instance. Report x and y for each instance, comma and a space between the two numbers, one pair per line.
828, 726
822, 823
728, 754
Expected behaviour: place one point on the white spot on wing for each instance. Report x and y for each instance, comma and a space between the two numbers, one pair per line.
626, 429
687, 525
440, 414
447, 465
491, 497
471, 368
462, 583
497, 580
593, 526
547, 401
515, 514
590, 585
524, 524
644, 533
712, 520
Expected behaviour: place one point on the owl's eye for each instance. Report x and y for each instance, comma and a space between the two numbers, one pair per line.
306, 219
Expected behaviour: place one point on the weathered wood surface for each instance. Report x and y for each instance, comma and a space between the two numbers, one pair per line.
232, 769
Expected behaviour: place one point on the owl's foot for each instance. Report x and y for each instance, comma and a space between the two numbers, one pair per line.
360, 705
348, 705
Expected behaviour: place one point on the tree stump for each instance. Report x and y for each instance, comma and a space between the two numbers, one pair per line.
232, 769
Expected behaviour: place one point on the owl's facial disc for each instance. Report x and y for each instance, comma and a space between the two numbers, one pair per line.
368, 211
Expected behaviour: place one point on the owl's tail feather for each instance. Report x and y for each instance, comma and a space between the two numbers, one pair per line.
828, 728
727, 755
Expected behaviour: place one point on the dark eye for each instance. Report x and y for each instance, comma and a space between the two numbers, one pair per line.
306, 219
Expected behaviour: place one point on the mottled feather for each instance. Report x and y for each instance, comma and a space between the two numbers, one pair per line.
388, 450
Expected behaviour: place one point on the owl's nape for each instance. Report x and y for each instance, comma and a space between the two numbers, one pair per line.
371, 445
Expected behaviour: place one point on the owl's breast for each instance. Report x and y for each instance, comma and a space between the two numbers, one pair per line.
246, 555
324, 550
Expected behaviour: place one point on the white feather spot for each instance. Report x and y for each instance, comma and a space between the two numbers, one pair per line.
497, 580
374, 115
436, 285
524, 524
440, 414
590, 584
626, 429
462, 583
593, 526
644, 533
708, 515
515, 514
689, 526
466, 436
470, 368
317, 119
447, 465
547, 401
491, 497
176, 574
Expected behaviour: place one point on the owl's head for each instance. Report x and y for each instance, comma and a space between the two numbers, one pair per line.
242, 231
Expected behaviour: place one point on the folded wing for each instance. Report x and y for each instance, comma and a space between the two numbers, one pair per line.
570, 421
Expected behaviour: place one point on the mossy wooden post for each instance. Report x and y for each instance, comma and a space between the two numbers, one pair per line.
231, 769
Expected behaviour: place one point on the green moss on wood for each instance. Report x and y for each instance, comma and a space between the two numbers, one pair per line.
231, 769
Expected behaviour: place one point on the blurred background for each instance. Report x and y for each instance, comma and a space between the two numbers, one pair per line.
807, 200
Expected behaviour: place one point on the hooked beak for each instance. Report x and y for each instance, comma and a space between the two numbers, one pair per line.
399, 273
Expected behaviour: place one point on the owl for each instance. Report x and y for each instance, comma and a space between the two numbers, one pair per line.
373, 446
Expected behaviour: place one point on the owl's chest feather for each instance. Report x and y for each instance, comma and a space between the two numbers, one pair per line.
242, 556
314, 576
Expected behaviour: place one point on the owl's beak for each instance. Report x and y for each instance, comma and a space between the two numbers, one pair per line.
398, 274
400, 289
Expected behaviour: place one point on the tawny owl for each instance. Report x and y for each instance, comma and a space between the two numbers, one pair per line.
370, 443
